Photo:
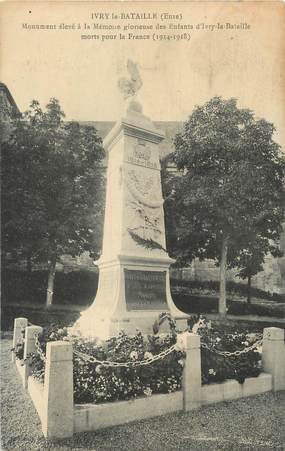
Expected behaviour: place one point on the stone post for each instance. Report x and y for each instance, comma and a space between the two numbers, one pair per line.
191, 382
29, 347
19, 324
273, 356
57, 421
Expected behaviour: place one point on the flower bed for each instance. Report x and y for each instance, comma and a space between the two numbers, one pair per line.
97, 383
54, 399
228, 355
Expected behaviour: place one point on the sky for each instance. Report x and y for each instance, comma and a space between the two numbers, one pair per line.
247, 64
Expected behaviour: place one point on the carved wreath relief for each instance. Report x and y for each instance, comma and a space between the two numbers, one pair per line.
144, 201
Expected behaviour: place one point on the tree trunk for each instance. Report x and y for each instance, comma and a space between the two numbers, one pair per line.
28, 286
248, 289
3, 259
29, 264
51, 276
223, 268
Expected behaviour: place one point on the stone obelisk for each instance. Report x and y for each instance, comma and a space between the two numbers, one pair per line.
134, 266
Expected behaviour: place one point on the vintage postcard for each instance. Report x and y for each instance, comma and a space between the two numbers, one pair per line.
109, 87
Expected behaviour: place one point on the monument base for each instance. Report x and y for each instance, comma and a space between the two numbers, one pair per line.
132, 292
104, 328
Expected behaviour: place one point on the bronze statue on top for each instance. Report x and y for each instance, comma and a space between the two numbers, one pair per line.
129, 87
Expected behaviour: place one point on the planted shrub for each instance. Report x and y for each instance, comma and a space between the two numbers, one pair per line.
217, 367
211, 287
96, 383
242, 308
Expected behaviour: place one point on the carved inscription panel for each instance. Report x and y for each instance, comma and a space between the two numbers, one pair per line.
145, 290
141, 154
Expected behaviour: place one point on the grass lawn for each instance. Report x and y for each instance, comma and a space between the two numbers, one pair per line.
253, 424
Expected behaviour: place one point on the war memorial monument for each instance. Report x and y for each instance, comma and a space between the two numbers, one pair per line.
134, 282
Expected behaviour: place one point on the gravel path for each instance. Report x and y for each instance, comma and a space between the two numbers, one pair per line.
252, 424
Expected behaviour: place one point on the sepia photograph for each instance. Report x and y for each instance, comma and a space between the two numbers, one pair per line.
142, 225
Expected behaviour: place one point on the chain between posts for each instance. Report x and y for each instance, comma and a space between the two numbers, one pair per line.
39, 349
155, 358
131, 364
108, 363
234, 353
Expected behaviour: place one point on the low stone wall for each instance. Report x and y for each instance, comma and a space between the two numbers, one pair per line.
61, 418
36, 391
21, 370
231, 389
91, 417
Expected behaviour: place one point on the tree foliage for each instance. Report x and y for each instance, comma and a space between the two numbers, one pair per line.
52, 186
248, 257
229, 193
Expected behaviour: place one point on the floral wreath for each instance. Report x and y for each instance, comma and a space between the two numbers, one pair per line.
164, 316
